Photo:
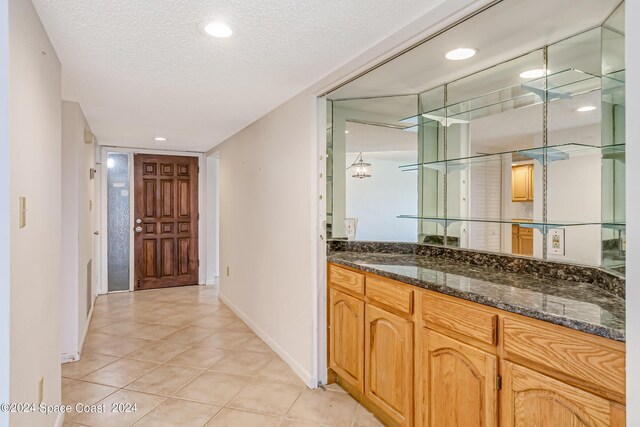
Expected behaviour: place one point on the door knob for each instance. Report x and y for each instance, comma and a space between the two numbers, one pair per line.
138, 229
138, 221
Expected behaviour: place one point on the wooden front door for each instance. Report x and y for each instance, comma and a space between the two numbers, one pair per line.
166, 221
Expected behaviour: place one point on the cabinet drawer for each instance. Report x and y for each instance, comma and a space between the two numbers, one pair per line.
346, 279
524, 231
389, 293
460, 317
583, 357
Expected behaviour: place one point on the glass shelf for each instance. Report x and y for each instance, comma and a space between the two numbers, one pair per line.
615, 225
553, 153
564, 84
539, 225
560, 85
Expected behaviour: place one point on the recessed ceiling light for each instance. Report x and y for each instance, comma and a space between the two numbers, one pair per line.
216, 29
461, 53
534, 74
346, 131
159, 138
586, 108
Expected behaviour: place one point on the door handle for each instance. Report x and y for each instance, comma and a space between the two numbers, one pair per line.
138, 229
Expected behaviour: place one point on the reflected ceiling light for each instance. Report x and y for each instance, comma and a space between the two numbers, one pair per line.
346, 131
461, 53
360, 168
216, 29
111, 163
586, 108
159, 138
534, 74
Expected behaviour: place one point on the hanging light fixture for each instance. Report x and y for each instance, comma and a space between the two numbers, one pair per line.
361, 169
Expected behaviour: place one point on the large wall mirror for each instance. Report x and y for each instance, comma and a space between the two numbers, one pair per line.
518, 149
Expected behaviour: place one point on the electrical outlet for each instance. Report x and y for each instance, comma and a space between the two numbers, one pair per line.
556, 241
40, 390
23, 212
227, 271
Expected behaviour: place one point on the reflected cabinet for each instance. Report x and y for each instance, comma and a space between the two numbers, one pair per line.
525, 156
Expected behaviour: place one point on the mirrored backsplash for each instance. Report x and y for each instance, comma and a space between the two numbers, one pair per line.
525, 156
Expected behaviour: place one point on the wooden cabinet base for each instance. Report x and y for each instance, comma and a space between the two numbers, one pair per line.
417, 357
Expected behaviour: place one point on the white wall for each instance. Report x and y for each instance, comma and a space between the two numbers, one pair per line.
267, 211
211, 195
77, 229
377, 201
35, 134
5, 246
633, 211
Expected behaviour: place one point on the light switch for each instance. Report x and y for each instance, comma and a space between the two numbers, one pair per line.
23, 212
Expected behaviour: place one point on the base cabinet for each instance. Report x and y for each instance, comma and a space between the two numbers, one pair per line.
346, 352
424, 359
389, 363
459, 387
532, 399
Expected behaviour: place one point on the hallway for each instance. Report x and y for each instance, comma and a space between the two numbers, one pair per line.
185, 359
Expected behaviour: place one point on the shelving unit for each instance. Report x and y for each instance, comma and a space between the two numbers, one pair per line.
553, 153
538, 225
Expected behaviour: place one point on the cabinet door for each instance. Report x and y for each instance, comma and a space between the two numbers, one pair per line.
346, 340
389, 363
532, 399
458, 383
530, 183
520, 183
526, 245
515, 240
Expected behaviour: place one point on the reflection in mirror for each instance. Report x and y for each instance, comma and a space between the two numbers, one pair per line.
614, 240
518, 150
366, 200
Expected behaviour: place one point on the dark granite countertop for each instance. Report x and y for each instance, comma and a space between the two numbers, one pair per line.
580, 306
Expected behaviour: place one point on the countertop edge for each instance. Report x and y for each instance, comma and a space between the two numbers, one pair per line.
578, 325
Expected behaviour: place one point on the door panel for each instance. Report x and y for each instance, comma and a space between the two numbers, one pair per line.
346, 317
458, 383
520, 183
166, 213
532, 399
389, 363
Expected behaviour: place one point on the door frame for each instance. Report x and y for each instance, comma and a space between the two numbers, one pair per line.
202, 246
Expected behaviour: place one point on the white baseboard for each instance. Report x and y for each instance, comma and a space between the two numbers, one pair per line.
310, 380
74, 357
69, 357
86, 325
59, 419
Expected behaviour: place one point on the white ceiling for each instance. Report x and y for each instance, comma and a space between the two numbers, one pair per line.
504, 31
142, 69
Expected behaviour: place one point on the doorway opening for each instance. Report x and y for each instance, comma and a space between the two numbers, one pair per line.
151, 226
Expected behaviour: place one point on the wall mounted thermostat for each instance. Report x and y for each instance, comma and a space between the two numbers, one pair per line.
555, 242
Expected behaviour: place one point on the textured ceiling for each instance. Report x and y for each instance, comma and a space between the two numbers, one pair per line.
142, 69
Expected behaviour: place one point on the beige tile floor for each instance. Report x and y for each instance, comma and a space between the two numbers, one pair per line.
185, 359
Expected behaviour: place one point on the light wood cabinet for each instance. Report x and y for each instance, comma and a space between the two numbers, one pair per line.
420, 358
346, 338
521, 240
389, 363
459, 383
522, 183
532, 399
